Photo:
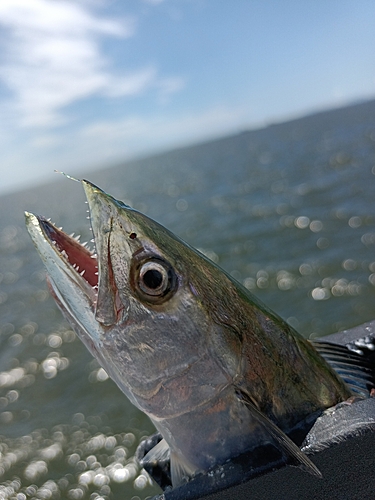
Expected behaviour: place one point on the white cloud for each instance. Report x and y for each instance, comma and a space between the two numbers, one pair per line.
51, 58
46, 141
168, 86
132, 83
55, 18
131, 127
106, 140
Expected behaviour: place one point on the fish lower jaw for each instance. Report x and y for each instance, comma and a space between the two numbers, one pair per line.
61, 251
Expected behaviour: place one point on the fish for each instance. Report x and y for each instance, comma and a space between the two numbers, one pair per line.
217, 372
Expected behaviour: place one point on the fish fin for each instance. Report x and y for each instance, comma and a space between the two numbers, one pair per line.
159, 453
356, 370
281, 439
181, 470
153, 455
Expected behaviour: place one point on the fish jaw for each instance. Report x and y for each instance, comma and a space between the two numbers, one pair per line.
75, 295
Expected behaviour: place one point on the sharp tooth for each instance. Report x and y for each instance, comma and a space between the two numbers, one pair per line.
64, 254
84, 244
82, 272
71, 235
77, 238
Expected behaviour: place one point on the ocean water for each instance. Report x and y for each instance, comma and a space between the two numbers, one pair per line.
288, 210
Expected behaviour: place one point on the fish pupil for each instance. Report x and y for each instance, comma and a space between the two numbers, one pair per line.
153, 279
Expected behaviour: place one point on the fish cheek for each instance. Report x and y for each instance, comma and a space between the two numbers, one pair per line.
226, 346
119, 257
156, 346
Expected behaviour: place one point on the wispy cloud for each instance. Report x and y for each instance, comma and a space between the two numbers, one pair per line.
106, 141
168, 86
191, 125
52, 58
131, 83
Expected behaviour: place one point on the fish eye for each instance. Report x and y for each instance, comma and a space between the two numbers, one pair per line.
156, 279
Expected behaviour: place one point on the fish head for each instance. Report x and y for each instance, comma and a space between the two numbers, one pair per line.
139, 306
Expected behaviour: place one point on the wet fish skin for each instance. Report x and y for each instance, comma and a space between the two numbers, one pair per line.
216, 371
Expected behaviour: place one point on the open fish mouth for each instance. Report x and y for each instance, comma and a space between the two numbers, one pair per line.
72, 267
76, 255
90, 292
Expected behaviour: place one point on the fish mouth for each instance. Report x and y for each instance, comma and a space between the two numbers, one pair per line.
76, 255
70, 263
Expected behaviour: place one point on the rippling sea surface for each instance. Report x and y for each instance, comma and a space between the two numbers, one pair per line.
288, 210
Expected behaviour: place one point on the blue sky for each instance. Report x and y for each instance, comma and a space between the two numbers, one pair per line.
88, 83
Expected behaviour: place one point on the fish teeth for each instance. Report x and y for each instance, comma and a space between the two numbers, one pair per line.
82, 272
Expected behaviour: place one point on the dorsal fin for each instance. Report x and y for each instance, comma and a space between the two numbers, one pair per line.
282, 441
357, 371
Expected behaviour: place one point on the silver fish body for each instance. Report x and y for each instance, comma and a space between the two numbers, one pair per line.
215, 370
